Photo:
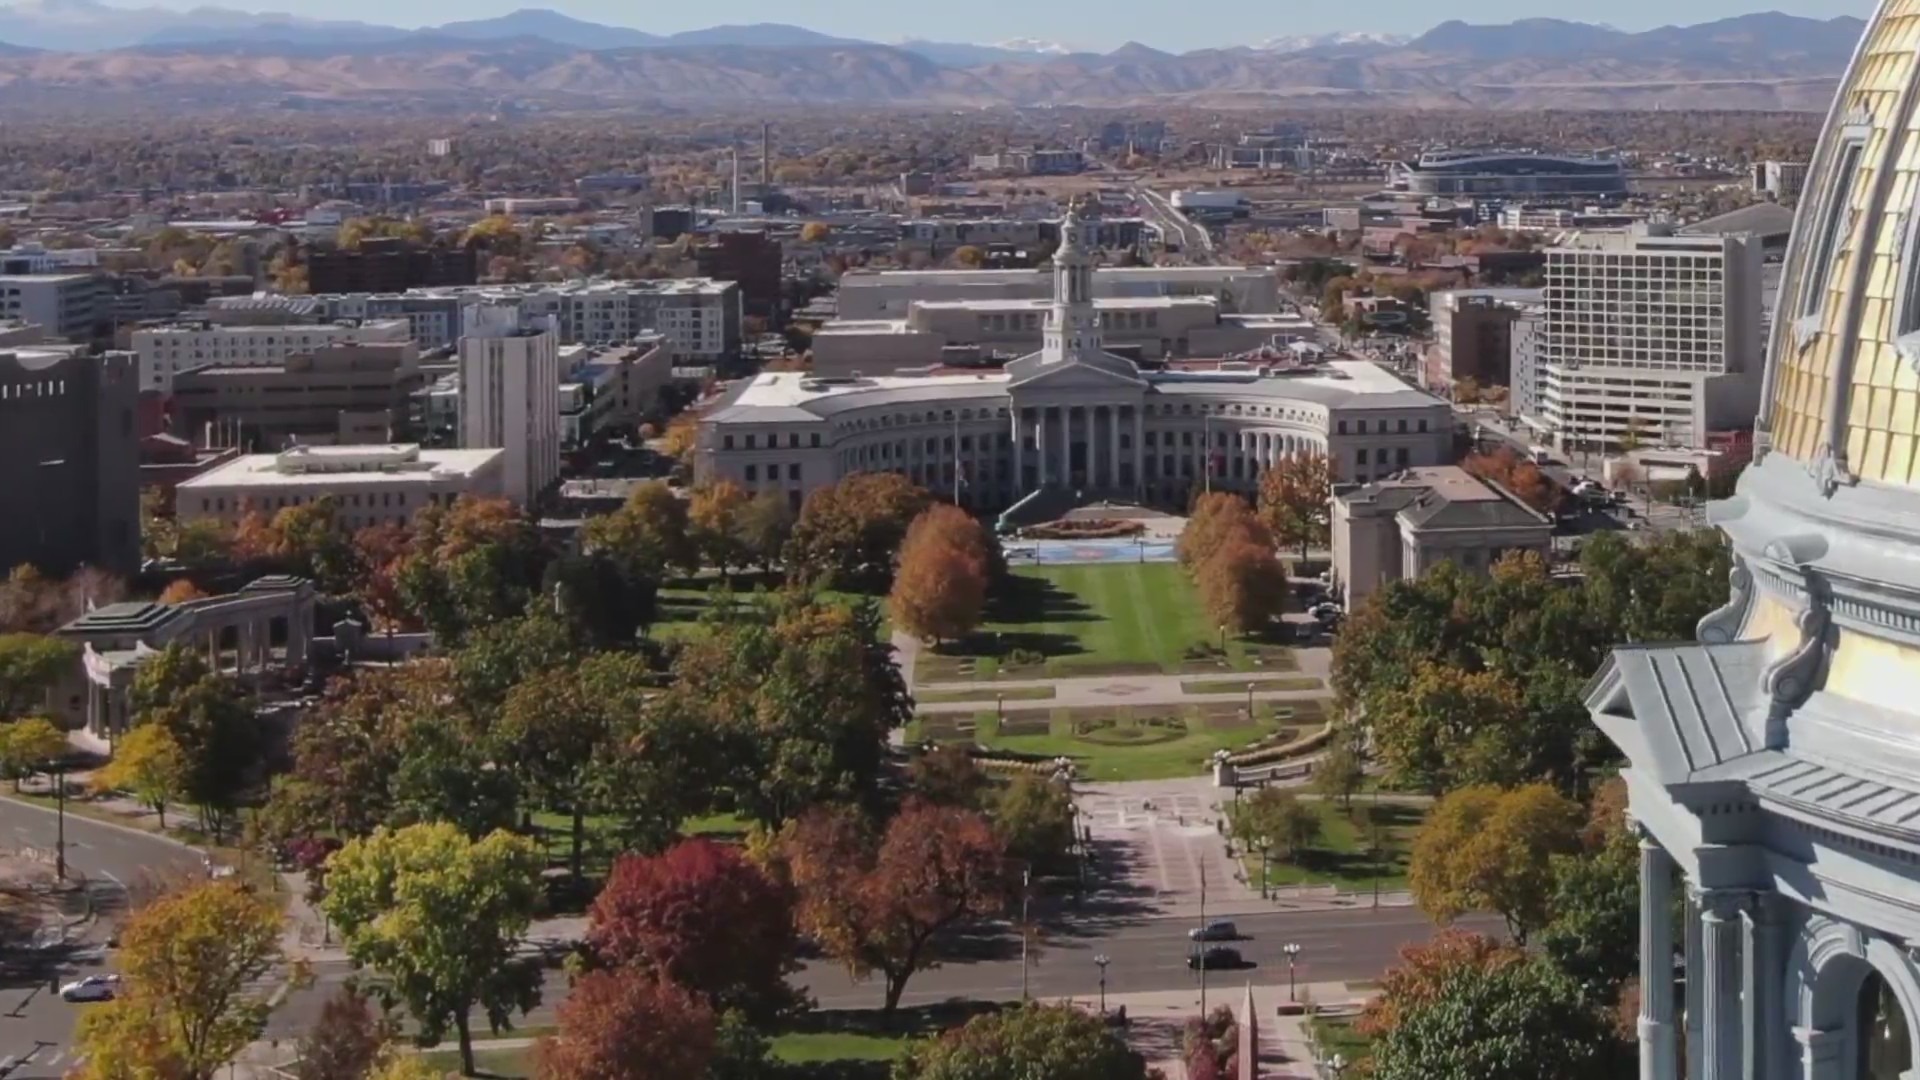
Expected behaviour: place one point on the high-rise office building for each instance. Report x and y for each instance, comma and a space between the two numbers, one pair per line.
69, 460
510, 396
1648, 340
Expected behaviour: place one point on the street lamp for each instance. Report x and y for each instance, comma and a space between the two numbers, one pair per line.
1336, 1065
1292, 949
1250, 701
1102, 960
1266, 851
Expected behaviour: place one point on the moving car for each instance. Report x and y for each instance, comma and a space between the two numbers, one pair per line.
1215, 956
1218, 930
91, 988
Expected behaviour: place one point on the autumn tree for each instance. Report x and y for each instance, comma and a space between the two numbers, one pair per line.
940, 589
1511, 1021
210, 720
648, 535
27, 746
969, 257
30, 664
702, 917
1485, 849
946, 775
1423, 967
346, 1042
1219, 518
625, 1024
469, 564
1449, 727
1243, 586
1506, 468
875, 901
1057, 1042
1296, 501
149, 765
180, 591
713, 526
441, 918
814, 232
379, 552
764, 526
849, 533
189, 962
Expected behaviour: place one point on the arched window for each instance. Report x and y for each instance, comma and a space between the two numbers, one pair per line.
1884, 1045
1828, 235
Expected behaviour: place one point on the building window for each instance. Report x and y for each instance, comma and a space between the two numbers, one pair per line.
1342, 428
793, 472
753, 473
1400, 456
1423, 427
726, 442
1832, 221
750, 441
1403, 427
1361, 427
1360, 456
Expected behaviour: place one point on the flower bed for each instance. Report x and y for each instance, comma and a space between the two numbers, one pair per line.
1096, 529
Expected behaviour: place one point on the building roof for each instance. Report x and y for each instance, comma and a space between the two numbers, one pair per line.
336, 466
130, 617
1447, 497
1766, 220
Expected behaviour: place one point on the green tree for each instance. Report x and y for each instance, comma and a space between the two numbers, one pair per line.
189, 961
1342, 768
1517, 1021
559, 733
27, 746
1448, 727
441, 917
1273, 817
1484, 849
210, 720
446, 774
29, 666
469, 565
1033, 816
713, 524
148, 764
765, 525
1593, 936
1054, 1042
648, 536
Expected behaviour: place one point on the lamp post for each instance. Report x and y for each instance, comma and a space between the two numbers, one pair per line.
1336, 1065
1223, 639
1250, 701
60, 838
1026, 931
1102, 960
1266, 851
1292, 949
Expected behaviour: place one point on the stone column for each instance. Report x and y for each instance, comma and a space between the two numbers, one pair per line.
1139, 450
1657, 1059
1763, 970
1040, 446
1019, 456
1696, 980
1720, 1057
1113, 448
1066, 445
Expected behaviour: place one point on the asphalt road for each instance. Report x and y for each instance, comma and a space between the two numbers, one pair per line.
1195, 241
1145, 955
36, 1027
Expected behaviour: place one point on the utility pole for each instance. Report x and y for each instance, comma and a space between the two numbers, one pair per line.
1026, 931
1203, 944
60, 838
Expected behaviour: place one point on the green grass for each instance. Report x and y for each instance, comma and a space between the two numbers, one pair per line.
1080, 621
1123, 742
1337, 1035
716, 825
808, 1047
683, 603
1239, 686
1341, 855
984, 693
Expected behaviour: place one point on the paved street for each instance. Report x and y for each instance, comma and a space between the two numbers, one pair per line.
36, 1027
1195, 242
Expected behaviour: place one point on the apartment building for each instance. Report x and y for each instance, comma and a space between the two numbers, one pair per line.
370, 484
1648, 340
71, 307
510, 396
166, 351
1473, 336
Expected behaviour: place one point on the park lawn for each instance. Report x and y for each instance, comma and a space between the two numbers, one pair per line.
1340, 856
1123, 742
1083, 621
507, 1063
1339, 1035
810, 1047
682, 603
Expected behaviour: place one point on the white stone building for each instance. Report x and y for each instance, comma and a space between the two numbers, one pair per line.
372, 484
1070, 416
165, 351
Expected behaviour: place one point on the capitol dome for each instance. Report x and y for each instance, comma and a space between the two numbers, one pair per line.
1774, 764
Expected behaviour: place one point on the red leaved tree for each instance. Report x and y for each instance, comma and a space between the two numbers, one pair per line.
703, 917
875, 902
624, 1025
1423, 971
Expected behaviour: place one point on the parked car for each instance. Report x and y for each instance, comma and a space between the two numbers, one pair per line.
1215, 956
1327, 612
91, 988
1218, 930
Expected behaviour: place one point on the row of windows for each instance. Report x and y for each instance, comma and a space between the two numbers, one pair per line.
40, 388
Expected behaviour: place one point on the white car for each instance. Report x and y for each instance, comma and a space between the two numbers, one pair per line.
91, 988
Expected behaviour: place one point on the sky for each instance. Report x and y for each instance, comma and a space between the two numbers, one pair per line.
1087, 24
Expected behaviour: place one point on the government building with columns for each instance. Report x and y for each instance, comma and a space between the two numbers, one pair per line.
1774, 764
1071, 417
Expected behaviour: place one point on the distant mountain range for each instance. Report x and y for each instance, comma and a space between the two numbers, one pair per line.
84, 47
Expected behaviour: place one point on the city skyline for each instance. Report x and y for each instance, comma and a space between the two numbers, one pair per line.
1076, 24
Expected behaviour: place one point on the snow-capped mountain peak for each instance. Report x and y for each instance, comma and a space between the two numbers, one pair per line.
1033, 45
1302, 42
